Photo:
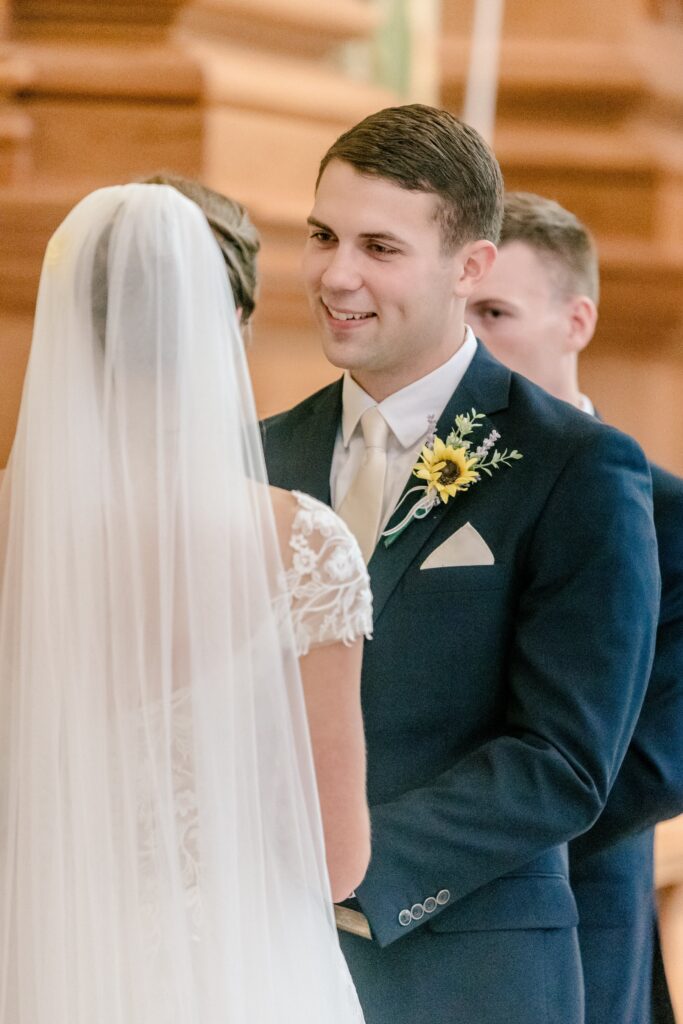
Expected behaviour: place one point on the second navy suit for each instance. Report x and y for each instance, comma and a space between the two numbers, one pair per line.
611, 868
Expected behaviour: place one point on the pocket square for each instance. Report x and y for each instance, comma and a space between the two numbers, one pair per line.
464, 547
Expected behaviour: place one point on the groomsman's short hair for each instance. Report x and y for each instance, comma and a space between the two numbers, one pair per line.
424, 149
555, 234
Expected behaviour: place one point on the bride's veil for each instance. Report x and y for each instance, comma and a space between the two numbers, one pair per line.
161, 856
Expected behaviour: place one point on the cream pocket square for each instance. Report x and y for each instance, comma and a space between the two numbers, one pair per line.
464, 547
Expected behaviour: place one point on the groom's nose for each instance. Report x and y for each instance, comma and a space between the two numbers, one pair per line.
341, 273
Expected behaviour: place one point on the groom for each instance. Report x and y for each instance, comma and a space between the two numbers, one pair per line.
514, 621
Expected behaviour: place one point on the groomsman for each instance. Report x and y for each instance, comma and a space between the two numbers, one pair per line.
536, 312
514, 627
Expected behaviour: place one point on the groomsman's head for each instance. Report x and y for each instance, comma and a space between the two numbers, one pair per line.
407, 212
537, 309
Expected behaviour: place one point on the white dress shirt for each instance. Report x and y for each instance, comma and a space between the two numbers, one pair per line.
407, 413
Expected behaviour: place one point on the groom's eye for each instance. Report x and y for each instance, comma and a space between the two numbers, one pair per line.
381, 250
321, 236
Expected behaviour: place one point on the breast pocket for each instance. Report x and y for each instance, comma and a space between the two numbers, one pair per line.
470, 578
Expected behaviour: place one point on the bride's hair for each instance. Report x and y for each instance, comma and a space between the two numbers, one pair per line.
237, 237
99, 286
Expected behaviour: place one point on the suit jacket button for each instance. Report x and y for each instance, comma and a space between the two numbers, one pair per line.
443, 897
430, 905
405, 917
417, 911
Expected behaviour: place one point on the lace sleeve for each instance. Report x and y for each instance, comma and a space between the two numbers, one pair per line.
327, 584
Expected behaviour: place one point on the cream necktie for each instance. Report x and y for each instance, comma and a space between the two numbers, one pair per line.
361, 509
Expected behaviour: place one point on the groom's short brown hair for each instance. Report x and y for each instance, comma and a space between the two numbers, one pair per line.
424, 149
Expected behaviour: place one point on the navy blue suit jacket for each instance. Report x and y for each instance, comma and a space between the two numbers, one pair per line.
611, 864
498, 701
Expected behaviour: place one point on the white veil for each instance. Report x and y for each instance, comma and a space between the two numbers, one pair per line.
161, 854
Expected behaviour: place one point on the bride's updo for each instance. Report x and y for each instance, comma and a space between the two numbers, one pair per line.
236, 235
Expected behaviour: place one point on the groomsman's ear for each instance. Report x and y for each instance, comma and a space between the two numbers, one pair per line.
583, 316
473, 262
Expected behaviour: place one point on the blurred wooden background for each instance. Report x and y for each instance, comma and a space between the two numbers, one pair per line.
247, 95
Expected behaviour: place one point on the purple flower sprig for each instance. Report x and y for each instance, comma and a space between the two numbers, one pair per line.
487, 445
431, 424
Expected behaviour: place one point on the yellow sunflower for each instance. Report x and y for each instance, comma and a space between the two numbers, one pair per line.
447, 469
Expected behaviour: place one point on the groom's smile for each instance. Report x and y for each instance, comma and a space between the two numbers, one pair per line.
344, 319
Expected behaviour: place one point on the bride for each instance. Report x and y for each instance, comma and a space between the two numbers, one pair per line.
180, 655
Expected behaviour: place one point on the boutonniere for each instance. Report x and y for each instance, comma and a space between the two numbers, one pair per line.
451, 466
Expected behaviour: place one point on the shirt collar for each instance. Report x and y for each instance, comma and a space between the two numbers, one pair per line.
407, 410
585, 405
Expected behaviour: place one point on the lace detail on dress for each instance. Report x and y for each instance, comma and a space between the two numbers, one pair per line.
326, 596
327, 584
153, 736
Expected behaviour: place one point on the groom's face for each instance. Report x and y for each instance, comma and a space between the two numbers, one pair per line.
380, 284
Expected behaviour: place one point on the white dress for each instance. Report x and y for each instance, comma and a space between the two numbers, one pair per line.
327, 586
325, 597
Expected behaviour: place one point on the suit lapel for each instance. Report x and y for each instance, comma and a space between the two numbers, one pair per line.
485, 387
304, 450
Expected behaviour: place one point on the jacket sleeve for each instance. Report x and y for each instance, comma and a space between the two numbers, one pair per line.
577, 668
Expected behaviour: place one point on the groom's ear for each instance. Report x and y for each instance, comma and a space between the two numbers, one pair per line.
472, 263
